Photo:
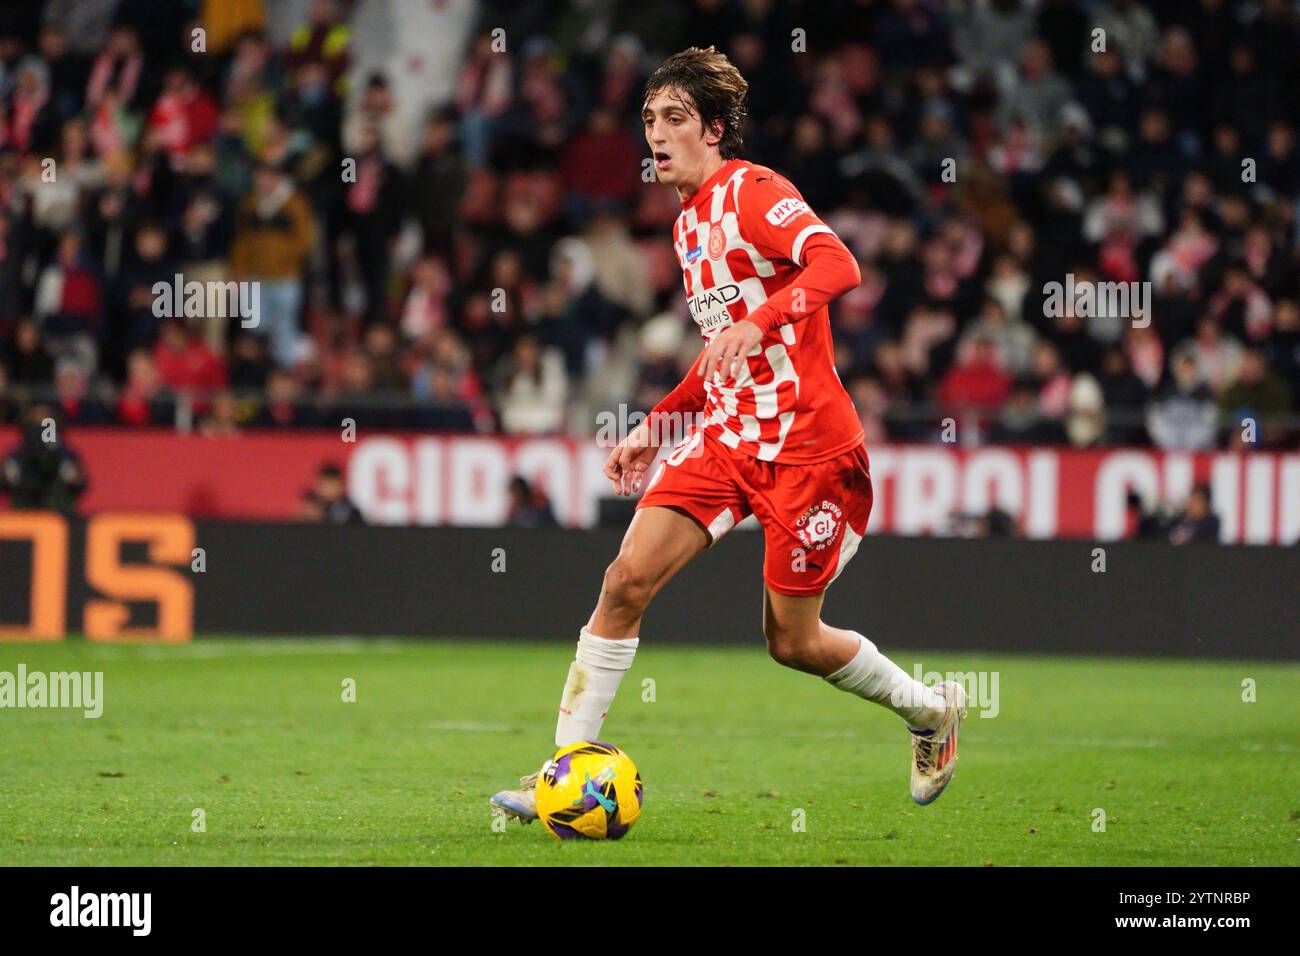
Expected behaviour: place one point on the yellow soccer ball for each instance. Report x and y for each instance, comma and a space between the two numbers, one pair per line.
589, 790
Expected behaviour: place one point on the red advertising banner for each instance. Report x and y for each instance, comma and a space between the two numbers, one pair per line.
418, 479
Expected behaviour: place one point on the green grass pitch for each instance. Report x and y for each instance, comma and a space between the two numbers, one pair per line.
256, 734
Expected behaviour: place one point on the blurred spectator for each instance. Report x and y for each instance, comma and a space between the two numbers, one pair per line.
446, 411
1283, 348
620, 273
222, 418
186, 365
995, 523
381, 348
85, 21
438, 183
77, 404
1122, 391
533, 390
69, 304
203, 235
42, 472
1183, 417
1257, 394
117, 70
1217, 357
273, 238
323, 41
143, 400
1039, 93
56, 200
1085, 422
331, 494
149, 266
425, 309
976, 381
184, 116
373, 204
33, 119
1131, 31
285, 404
1198, 524
309, 508
483, 93
67, 75
870, 400
529, 507
600, 165
8, 403
26, 356
444, 377
1140, 522
1022, 422
1012, 340
1052, 380
11, 276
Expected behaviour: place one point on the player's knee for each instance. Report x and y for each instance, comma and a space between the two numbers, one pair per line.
789, 653
791, 643
627, 585
786, 647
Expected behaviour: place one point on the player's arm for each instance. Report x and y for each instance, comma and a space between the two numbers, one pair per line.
830, 272
781, 226
629, 461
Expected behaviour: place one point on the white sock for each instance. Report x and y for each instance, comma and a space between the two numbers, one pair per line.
594, 677
873, 676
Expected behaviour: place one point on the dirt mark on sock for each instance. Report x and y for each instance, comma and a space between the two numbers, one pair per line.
574, 686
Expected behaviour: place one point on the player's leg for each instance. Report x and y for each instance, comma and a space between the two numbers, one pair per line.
659, 542
798, 638
813, 520
691, 501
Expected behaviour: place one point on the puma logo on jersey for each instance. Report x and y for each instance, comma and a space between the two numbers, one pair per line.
785, 210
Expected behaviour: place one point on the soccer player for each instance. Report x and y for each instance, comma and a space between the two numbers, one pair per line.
779, 437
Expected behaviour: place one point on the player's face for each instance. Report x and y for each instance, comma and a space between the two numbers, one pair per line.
676, 137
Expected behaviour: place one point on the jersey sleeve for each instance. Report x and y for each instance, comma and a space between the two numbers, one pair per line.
775, 218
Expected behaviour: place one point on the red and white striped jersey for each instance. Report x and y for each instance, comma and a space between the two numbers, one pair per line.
739, 240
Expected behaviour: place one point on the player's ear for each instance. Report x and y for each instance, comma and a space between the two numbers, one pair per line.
714, 133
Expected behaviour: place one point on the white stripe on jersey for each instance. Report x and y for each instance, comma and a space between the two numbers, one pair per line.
691, 233
803, 237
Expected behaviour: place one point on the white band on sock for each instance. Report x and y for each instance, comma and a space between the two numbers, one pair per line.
594, 676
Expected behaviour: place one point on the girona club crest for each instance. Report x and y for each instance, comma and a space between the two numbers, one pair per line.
717, 242
819, 525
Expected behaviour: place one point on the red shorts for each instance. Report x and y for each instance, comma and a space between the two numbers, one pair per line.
813, 516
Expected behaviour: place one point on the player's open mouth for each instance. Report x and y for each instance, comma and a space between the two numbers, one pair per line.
662, 160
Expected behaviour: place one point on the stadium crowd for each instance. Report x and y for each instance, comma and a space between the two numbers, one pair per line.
517, 275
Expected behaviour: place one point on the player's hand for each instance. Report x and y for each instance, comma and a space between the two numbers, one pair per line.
726, 353
628, 463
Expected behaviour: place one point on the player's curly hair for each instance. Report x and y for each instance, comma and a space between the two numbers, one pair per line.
715, 88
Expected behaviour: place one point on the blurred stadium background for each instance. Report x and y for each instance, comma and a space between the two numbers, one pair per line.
465, 275
465, 278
